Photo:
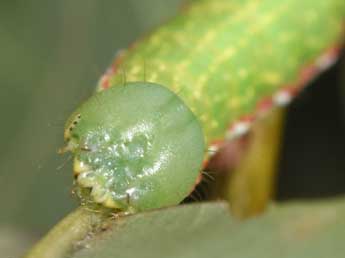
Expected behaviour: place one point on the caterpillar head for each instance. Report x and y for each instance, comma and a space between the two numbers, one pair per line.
135, 147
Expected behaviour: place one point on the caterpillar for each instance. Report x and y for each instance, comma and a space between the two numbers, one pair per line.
198, 80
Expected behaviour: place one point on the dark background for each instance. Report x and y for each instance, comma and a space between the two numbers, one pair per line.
51, 56
313, 156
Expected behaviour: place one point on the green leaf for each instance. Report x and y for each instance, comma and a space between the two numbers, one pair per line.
314, 229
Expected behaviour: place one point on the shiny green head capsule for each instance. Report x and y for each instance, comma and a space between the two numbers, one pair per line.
135, 147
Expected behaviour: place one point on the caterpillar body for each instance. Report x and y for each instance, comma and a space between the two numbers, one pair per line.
139, 144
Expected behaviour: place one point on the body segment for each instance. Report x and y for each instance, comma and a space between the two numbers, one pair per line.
221, 57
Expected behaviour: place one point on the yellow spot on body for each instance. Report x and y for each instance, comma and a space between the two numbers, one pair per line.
180, 38
243, 73
153, 77
79, 167
197, 94
200, 82
214, 124
204, 118
268, 19
271, 78
209, 37
234, 103
110, 203
162, 67
243, 42
180, 68
134, 70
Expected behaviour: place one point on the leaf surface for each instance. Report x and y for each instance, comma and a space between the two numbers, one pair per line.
313, 229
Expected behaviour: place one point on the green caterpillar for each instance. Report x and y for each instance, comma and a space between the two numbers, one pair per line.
140, 144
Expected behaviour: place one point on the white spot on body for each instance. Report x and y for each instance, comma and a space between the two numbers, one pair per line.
238, 130
130, 191
282, 98
325, 61
212, 150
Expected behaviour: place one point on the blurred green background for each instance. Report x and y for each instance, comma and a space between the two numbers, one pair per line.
52, 55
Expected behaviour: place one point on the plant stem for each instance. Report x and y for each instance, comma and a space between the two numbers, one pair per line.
252, 184
64, 237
